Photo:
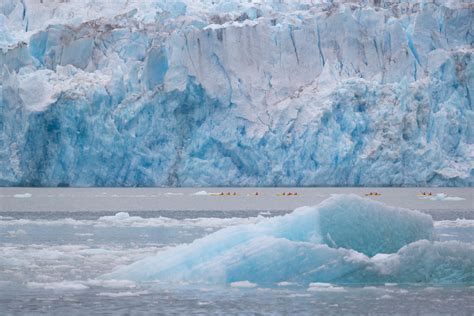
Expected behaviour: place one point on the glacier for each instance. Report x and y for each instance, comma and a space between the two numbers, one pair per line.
236, 93
345, 239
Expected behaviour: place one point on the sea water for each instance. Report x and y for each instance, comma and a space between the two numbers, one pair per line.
57, 245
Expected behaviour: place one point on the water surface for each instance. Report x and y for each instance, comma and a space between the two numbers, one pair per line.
56, 242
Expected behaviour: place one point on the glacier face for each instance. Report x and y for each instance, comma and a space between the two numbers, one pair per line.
204, 93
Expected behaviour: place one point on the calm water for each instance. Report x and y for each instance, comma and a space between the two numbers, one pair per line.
56, 242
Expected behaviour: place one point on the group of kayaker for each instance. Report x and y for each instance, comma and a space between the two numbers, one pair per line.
373, 194
227, 194
287, 194
378, 194
425, 194
253, 194
296, 194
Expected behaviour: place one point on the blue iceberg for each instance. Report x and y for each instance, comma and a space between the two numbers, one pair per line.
345, 239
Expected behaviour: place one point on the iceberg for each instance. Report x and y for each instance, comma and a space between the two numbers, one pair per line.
345, 239
236, 93
23, 195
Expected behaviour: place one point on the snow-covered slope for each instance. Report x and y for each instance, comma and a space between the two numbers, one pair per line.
150, 93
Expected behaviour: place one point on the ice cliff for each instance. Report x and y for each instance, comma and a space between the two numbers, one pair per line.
268, 92
345, 239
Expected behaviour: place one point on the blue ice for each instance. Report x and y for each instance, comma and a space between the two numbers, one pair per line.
345, 239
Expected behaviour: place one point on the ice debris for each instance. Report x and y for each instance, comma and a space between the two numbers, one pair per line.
243, 284
442, 197
23, 195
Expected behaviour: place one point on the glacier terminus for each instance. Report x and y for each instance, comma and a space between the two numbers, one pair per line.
246, 93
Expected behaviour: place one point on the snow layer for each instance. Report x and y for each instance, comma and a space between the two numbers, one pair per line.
345, 239
184, 93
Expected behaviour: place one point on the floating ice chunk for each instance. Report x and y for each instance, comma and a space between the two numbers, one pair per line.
202, 193
324, 287
23, 195
284, 283
243, 284
443, 197
120, 219
299, 295
113, 284
58, 286
295, 247
453, 198
122, 294
120, 216
84, 234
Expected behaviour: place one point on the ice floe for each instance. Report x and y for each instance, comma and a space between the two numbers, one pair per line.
23, 195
